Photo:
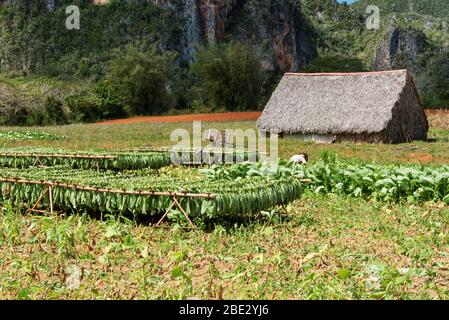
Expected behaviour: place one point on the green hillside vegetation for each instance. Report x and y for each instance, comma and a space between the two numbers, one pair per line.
430, 17
335, 64
435, 81
343, 33
126, 49
35, 40
436, 8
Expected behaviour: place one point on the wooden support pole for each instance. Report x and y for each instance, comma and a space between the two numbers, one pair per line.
36, 161
165, 214
116, 191
184, 212
48, 155
176, 203
50, 192
168, 150
42, 195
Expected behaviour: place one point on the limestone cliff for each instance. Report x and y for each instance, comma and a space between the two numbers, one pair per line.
275, 28
400, 49
278, 29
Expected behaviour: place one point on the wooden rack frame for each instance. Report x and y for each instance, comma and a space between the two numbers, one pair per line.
174, 195
165, 150
108, 190
56, 155
50, 185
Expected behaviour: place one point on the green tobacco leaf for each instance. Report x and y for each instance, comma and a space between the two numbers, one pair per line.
343, 273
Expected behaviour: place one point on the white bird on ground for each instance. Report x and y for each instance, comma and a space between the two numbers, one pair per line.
301, 158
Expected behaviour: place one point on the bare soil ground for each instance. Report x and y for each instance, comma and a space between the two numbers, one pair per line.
437, 118
319, 247
219, 117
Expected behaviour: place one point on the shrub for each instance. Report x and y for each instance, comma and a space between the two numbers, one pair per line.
229, 76
53, 112
50, 113
434, 82
109, 103
34, 118
83, 108
100, 102
140, 78
335, 64
13, 116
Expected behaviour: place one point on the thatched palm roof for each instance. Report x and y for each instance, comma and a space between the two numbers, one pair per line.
341, 103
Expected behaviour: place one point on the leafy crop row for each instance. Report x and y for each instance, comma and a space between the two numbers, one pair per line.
214, 156
118, 160
240, 196
121, 162
387, 183
413, 183
30, 135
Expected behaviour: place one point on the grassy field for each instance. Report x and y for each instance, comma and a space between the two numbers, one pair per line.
85, 137
319, 247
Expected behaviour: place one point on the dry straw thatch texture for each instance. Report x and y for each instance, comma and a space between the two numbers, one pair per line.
372, 107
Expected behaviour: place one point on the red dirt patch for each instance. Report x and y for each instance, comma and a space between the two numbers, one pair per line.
218, 117
421, 157
438, 119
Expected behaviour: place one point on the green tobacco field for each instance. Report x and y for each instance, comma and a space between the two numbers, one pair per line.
372, 224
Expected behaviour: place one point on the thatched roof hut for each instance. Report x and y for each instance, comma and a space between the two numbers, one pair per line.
370, 106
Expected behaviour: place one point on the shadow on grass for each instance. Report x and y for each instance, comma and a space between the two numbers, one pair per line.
177, 221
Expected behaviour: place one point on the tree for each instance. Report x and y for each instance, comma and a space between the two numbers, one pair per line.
140, 79
335, 64
434, 82
53, 111
109, 104
229, 75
